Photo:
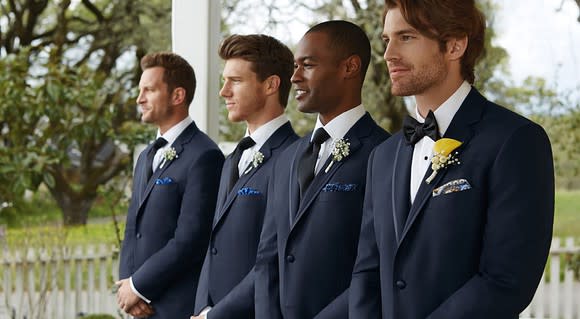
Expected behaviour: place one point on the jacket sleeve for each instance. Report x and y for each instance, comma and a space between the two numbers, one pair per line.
364, 292
337, 309
266, 283
238, 303
202, 294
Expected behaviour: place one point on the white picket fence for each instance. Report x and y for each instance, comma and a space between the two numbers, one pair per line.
66, 282
556, 298
63, 283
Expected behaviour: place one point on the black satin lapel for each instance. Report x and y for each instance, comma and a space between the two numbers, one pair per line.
400, 186
423, 195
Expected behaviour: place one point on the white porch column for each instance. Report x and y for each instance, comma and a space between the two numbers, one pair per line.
195, 28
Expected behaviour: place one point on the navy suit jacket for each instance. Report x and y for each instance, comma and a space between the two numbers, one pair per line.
227, 281
308, 247
475, 253
168, 224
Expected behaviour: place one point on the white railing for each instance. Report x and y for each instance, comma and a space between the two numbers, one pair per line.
61, 283
65, 282
557, 298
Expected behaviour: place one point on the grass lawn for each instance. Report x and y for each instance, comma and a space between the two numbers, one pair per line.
47, 236
102, 230
567, 218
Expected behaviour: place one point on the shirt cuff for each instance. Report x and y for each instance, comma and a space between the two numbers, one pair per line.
137, 292
204, 312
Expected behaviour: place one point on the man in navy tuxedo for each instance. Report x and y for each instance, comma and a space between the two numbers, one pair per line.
174, 193
256, 87
308, 245
459, 204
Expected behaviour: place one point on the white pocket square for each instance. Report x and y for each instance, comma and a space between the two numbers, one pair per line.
457, 185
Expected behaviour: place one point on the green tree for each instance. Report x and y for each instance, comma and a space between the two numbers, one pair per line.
67, 111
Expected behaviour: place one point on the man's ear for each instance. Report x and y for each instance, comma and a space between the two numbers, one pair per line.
352, 66
178, 96
456, 47
272, 84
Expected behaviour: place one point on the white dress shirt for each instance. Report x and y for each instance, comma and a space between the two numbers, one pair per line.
336, 128
170, 136
260, 136
423, 150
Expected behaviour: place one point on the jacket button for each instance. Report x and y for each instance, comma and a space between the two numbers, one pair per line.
290, 258
214, 251
401, 284
138, 235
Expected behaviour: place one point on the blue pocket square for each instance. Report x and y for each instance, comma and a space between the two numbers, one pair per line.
338, 187
247, 191
454, 186
164, 181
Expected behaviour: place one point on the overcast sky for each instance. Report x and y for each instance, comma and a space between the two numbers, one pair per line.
541, 41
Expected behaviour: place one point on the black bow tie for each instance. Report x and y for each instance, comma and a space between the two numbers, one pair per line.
415, 131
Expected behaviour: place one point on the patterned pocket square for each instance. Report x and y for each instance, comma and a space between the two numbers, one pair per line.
164, 181
454, 186
338, 187
248, 191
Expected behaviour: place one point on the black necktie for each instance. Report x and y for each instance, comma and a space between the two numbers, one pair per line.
243, 145
415, 131
307, 162
159, 143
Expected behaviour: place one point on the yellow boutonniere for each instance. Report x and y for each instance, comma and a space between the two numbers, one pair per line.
443, 156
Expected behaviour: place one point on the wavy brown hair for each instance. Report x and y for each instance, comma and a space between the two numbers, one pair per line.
177, 72
442, 20
267, 55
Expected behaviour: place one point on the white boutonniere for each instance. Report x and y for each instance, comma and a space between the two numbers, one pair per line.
443, 156
256, 161
168, 155
340, 150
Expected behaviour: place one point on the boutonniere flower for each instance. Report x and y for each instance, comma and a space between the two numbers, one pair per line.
256, 161
443, 156
168, 155
340, 150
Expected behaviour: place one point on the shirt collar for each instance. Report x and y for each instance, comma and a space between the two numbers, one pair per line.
173, 133
340, 125
446, 111
263, 133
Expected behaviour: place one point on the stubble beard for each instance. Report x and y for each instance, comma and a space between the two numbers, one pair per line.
427, 76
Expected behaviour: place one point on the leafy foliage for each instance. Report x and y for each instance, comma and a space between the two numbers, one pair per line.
67, 111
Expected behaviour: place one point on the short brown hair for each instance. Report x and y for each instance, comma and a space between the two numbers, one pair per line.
446, 19
267, 55
177, 72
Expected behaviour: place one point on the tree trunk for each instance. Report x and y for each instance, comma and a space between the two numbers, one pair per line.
75, 208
